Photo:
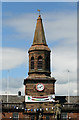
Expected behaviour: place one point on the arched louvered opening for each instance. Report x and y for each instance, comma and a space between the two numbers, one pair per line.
32, 62
47, 63
39, 63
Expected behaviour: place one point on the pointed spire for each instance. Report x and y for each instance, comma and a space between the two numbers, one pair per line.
39, 36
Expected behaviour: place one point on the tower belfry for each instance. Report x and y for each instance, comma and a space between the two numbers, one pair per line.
40, 52
39, 85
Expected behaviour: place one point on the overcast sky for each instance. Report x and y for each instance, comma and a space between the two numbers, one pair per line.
60, 26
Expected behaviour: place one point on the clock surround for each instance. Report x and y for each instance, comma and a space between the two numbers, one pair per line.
40, 87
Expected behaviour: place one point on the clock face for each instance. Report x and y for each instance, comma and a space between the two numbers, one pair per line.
40, 87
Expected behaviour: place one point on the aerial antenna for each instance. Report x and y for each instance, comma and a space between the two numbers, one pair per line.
8, 87
38, 11
68, 86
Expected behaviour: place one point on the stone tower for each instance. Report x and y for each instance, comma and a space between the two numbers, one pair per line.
39, 85
39, 53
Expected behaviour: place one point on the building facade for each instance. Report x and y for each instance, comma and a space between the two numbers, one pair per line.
14, 109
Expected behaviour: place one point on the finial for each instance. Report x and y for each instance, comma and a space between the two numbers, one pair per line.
38, 11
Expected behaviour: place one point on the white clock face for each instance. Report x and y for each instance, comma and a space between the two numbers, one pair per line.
40, 87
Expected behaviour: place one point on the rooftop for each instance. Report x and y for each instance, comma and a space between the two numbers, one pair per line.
20, 99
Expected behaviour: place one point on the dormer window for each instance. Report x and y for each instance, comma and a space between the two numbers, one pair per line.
39, 63
32, 62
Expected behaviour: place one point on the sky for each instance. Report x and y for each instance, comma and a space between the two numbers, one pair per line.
39, 0
18, 26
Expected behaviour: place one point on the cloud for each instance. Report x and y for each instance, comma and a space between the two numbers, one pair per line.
11, 82
14, 85
23, 24
12, 57
12, 91
61, 25
64, 58
62, 89
61, 34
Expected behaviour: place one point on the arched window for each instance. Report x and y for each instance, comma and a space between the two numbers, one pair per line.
39, 62
32, 62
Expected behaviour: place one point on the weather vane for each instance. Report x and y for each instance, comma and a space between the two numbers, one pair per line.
38, 11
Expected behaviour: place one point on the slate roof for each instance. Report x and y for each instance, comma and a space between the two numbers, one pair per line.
64, 99
20, 99
39, 42
39, 36
12, 99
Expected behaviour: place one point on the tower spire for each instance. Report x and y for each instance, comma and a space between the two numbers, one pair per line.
39, 53
39, 36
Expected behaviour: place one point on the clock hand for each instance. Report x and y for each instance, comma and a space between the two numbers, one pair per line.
40, 86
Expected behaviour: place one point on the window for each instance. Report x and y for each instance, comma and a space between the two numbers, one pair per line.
39, 62
47, 117
64, 115
32, 117
15, 116
32, 62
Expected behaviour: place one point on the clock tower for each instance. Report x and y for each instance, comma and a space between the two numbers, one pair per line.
39, 85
